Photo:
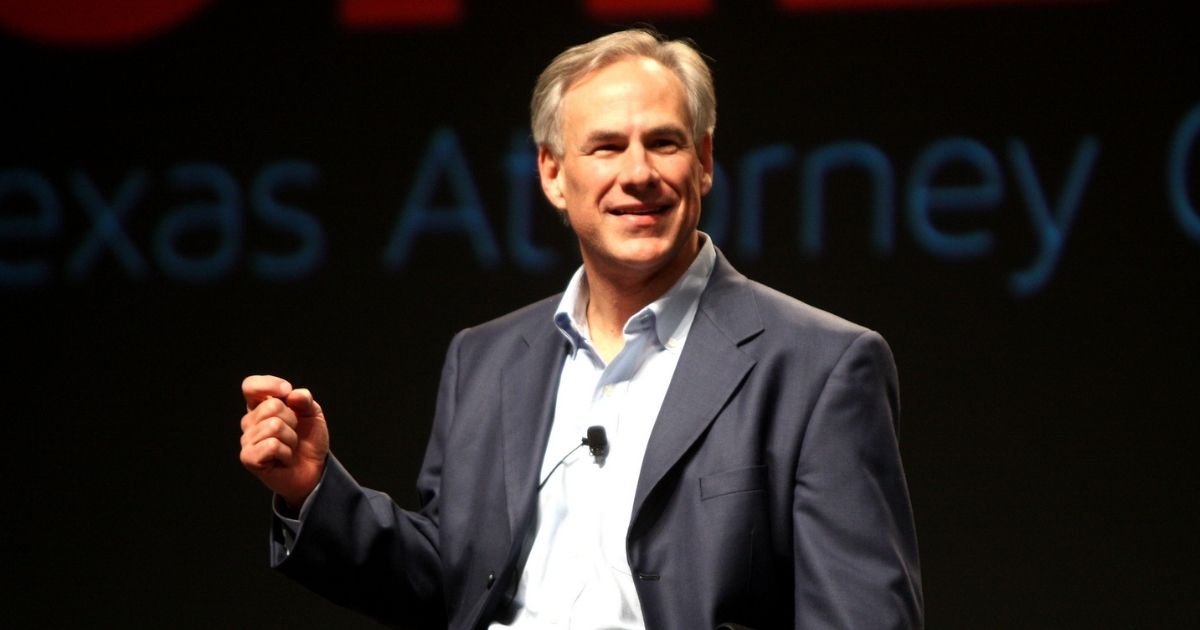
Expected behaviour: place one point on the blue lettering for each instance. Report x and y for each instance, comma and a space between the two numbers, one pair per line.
755, 167
222, 215
45, 223
1050, 225
107, 225
305, 227
419, 215
924, 198
817, 167
520, 165
1178, 168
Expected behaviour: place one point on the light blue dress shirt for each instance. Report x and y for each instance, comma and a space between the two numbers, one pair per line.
577, 574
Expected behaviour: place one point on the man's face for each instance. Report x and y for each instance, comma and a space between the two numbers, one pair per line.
631, 176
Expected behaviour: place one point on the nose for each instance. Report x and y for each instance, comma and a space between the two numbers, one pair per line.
637, 170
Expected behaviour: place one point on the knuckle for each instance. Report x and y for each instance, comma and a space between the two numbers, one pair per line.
273, 445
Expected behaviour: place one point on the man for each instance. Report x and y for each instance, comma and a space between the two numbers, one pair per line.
751, 475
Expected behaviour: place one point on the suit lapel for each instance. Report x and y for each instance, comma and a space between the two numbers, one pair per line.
709, 371
529, 389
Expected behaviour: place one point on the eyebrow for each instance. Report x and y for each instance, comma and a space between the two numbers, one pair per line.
601, 136
672, 131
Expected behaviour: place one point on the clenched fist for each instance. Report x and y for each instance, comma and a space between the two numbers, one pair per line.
284, 437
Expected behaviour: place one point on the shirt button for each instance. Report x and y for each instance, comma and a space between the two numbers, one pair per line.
491, 579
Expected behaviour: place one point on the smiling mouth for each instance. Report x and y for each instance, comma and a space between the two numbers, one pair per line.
640, 211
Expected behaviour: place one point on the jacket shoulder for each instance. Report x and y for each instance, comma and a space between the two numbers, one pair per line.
779, 308
522, 326
745, 308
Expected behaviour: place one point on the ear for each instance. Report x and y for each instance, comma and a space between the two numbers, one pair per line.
550, 173
706, 163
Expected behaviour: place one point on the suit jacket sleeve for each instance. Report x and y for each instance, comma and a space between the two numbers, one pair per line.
358, 549
855, 546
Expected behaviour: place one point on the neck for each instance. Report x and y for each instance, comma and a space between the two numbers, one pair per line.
614, 297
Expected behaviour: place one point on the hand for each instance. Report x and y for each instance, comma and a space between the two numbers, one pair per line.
284, 437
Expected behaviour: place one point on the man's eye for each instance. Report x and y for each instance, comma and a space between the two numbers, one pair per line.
665, 145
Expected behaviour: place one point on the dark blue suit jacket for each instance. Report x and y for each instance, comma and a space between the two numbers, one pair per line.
771, 494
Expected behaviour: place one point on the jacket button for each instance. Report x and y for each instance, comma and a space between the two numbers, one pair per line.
491, 579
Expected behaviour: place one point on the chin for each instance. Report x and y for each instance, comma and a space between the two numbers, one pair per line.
647, 255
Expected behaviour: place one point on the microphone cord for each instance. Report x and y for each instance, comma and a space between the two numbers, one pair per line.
596, 439
560, 463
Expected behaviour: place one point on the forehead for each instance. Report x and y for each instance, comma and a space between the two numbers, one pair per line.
630, 91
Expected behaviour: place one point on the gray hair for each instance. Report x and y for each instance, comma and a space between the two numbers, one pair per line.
680, 56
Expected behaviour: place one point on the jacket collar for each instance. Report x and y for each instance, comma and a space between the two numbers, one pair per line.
709, 371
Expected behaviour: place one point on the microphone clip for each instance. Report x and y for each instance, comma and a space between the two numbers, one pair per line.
597, 441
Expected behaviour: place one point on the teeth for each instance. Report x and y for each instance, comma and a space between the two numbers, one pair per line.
654, 210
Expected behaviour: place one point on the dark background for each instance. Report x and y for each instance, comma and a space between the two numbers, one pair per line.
1046, 433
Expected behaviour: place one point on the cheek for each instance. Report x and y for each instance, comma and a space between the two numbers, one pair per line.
689, 177
580, 186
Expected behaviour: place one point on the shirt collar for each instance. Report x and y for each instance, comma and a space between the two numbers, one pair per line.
672, 313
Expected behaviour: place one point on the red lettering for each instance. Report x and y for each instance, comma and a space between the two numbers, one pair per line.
625, 9
95, 22
388, 13
109, 22
814, 5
